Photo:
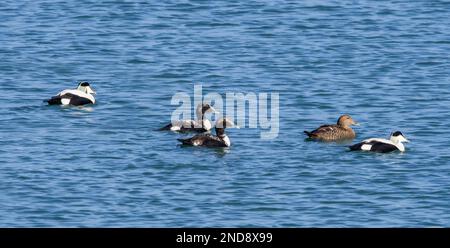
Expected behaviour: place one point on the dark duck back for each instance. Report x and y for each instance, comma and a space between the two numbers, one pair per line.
209, 140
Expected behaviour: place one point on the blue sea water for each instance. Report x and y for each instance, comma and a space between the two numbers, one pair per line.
384, 62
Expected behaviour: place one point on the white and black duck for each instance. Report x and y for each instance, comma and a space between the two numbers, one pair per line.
201, 124
83, 95
208, 140
382, 145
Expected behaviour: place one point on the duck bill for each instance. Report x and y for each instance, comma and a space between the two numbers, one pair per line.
356, 124
91, 91
212, 110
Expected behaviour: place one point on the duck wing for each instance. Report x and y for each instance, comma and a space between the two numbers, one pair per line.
363, 145
374, 145
71, 97
208, 140
184, 126
55, 100
181, 125
75, 100
324, 129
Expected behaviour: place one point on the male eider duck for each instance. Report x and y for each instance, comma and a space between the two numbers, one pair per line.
81, 96
201, 125
382, 145
340, 131
209, 140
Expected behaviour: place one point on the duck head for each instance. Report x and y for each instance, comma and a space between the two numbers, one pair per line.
398, 137
205, 108
346, 121
86, 88
223, 123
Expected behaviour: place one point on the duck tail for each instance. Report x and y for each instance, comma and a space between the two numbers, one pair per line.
355, 147
184, 141
166, 127
308, 133
53, 101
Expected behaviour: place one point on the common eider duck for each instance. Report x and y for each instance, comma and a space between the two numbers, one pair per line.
382, 145
200, 125
337, 132
81, 96
209, 140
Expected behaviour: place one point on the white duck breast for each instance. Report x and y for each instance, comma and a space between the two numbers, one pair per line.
382, 145
227, 141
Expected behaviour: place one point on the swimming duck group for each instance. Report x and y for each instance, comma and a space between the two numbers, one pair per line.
341, 131
202, 125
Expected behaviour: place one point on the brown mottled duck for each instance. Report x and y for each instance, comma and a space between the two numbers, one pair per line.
338, 132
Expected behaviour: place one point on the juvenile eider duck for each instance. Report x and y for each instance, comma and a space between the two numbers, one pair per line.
81, 96
200, 125
382, 145
337, 132
209, 140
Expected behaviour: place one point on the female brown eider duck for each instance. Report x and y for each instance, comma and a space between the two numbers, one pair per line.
209, 140
382, 145
337, 132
